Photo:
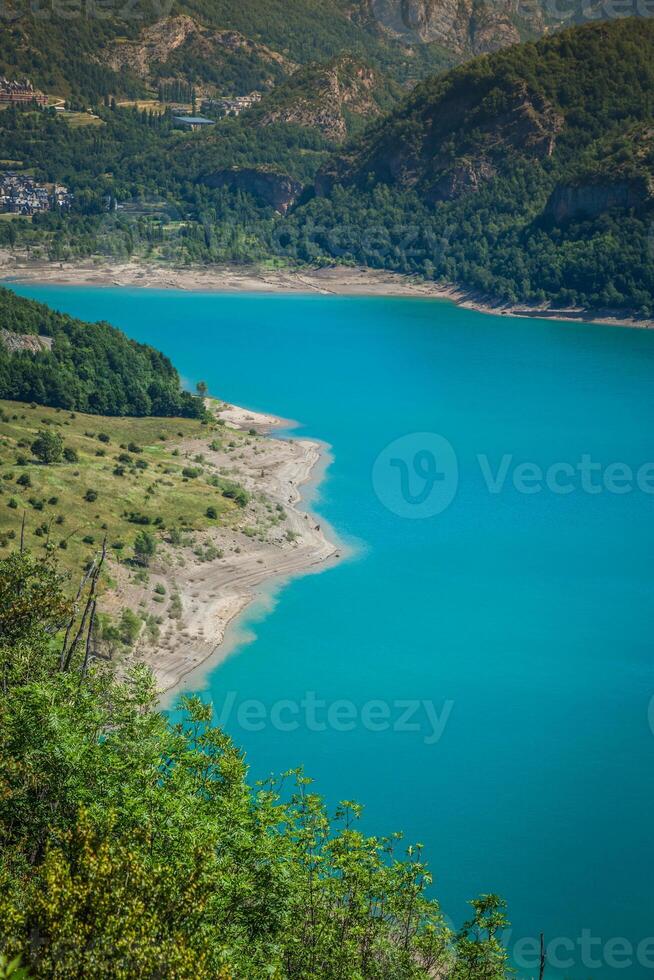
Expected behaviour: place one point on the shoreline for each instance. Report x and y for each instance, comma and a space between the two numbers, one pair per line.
330, 280
216, 594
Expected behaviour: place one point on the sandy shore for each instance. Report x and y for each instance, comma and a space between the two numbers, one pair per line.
335, 280
257, 549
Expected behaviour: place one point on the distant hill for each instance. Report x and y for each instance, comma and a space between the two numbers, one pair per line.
534, 167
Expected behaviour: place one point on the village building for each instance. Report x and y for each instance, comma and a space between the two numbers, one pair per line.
192, 122
20, 194
232, 106
20, 92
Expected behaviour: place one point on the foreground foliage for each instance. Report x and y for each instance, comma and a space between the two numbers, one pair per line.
132, 847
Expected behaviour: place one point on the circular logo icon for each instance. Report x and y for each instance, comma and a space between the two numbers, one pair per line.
416, 476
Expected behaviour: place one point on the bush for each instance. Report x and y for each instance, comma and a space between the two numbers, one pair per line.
70, 455
24, 480
212, 513
90, 496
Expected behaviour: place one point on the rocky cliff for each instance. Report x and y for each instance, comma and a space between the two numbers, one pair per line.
277, 190
462, 26
331, 98
14, 343
590, 200
149, 55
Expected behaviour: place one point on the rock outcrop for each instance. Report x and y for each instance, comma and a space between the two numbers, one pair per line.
462, 26
592, 199
14, 343
322, 97
277, 190
451, 145
162, 39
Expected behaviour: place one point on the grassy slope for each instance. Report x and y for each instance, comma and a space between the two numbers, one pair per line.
158, 491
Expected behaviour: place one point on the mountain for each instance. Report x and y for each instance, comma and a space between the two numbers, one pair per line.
533, 165
536, 102
232, 48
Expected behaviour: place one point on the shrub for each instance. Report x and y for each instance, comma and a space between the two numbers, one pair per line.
90, 496
70, 455
24, 480
212, 513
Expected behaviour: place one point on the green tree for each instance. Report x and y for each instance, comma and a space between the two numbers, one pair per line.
480, 953
48, 446
145, 547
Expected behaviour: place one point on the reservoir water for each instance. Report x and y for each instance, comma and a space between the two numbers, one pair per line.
479, 673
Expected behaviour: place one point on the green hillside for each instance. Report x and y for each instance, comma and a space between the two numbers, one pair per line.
526, 174
53, 359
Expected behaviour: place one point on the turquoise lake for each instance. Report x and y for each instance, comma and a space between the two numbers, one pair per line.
523, 619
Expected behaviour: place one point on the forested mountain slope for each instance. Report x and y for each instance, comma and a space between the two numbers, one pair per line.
528, 173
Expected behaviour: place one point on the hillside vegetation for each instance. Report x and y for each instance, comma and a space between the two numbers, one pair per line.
526, 174
136, 848
108, 477
90, 367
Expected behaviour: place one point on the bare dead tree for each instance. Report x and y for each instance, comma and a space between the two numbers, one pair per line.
71, 622
68, 651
